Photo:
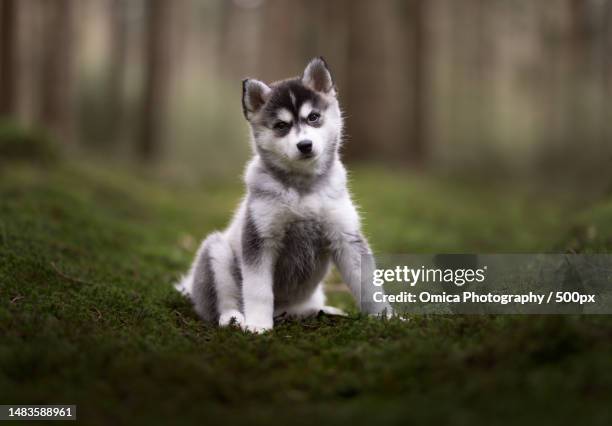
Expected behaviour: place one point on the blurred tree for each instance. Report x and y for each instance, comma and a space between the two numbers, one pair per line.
580, 30
418, 63
280, 50
56, 73
606, 46
117, 66
225, 19
8, 54
365, 61
156, 79
376, 83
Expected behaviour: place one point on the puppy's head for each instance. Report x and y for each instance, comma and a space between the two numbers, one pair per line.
296, 123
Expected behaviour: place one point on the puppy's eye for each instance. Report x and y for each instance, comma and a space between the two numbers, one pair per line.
281, 125
313, 117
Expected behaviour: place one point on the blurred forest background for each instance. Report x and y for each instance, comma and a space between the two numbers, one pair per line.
508, 89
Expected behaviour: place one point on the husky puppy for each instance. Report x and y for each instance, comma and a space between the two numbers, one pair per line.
296, 219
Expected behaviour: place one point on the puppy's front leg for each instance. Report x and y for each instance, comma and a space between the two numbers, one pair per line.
355, 262
257, 293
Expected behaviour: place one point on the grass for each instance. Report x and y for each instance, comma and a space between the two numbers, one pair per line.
88, 315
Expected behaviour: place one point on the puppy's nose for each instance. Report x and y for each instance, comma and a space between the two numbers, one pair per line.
305, 146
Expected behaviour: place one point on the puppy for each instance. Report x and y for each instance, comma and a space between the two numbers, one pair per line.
297, 216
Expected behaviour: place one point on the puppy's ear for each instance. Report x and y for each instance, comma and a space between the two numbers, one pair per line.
254, 95
317, 77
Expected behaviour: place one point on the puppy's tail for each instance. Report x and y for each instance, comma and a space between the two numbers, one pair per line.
185, 284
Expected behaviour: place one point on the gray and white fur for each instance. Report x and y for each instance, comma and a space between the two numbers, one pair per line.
296, 219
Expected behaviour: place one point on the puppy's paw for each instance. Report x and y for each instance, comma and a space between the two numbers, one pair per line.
258, 327
388, 313
231, 318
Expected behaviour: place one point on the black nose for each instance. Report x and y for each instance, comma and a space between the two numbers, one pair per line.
305, 147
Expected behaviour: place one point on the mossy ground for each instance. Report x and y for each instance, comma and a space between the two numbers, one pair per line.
88, 315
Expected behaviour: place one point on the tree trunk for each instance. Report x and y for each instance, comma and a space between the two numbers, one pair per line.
56, 78
156, 79
579, 66
362, 97
419, 105
8, 60
117, 67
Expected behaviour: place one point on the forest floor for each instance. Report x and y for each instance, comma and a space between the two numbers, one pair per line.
88, 315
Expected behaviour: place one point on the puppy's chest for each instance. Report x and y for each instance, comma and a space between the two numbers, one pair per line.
304, 228
301, 216
304, 235
302, 258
